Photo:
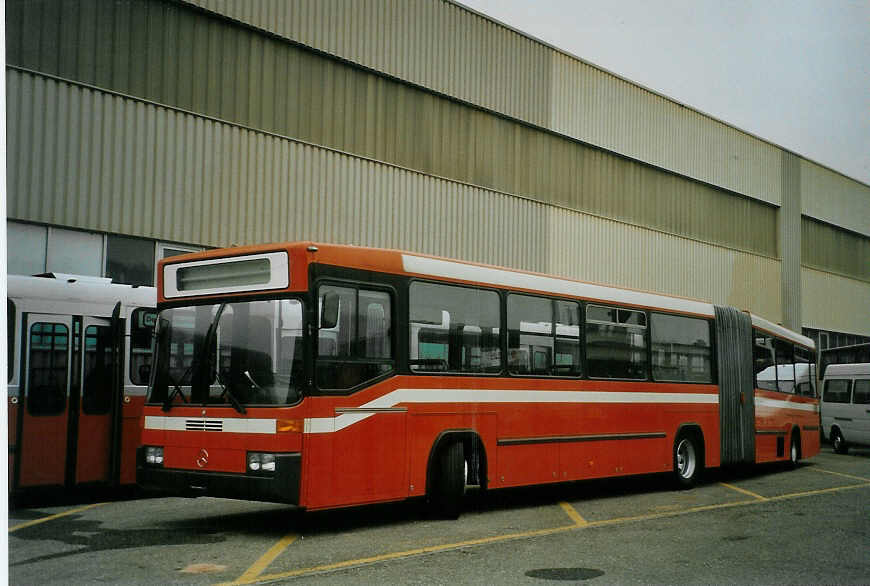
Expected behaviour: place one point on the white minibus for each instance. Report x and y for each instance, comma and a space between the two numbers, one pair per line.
846, 405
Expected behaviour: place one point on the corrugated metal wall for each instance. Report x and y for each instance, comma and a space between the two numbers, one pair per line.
834, 302
789, 218
174, 56
449, 49
835, 199
827, 248
94, 160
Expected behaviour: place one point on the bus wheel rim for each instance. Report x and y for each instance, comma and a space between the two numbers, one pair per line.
686, 458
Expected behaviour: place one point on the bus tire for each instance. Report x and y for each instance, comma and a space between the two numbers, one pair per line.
837, 441
794, 451
687, 459
448, 481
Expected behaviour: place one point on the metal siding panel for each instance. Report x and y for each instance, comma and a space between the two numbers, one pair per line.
837, 303
477, 60
466, 152
323, 202
834, 198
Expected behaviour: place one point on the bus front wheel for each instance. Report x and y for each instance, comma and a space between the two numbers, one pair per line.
448, 481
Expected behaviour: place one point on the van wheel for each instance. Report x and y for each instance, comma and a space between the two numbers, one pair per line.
448, 481
687, 462
838, 442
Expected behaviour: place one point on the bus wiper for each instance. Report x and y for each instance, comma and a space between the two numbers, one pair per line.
237, 405
167, 404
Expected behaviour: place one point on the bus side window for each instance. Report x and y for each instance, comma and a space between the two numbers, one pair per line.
616, 343
142, 323
805, 371
48, 361
784, 366
454, 329
764, 361
356, 346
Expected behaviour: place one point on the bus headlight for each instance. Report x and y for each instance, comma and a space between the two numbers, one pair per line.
261, 462
154, 455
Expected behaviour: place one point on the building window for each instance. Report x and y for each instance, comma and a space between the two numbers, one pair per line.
74, 252
130, 260
25, 248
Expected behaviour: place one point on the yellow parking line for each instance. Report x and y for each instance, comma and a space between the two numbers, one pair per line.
575, 516
841, 474
418, 551
744, 491
53, 517
795, 495
267, 558
539, 533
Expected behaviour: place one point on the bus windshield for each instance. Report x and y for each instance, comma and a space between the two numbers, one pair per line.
237, 354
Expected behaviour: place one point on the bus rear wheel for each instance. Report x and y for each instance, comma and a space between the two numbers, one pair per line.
447, 485
794, 453
687, 460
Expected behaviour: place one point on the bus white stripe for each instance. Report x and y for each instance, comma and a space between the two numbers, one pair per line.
332, 424
227, 425
778, 404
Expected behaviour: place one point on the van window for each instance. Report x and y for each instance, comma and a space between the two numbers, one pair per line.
862, 392
837, 391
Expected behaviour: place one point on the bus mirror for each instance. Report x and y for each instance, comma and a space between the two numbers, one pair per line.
329, 310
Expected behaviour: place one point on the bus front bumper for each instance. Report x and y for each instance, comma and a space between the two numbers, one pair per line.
280, 487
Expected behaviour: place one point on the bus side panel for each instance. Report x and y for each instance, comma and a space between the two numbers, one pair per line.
94, 448
12, 414
522, 458
775, 420
428, 423
131, 431
359, 463
44, 447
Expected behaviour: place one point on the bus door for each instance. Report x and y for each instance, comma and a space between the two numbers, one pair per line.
96, 397
44, 416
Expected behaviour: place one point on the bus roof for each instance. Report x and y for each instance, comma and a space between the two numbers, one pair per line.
71, 288
414, 264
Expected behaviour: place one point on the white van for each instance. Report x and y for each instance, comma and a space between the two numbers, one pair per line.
846, 405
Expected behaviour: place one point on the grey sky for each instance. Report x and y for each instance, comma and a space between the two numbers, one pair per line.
796, 73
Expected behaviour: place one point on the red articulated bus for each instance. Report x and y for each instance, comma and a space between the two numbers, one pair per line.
328, 376
79, 360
